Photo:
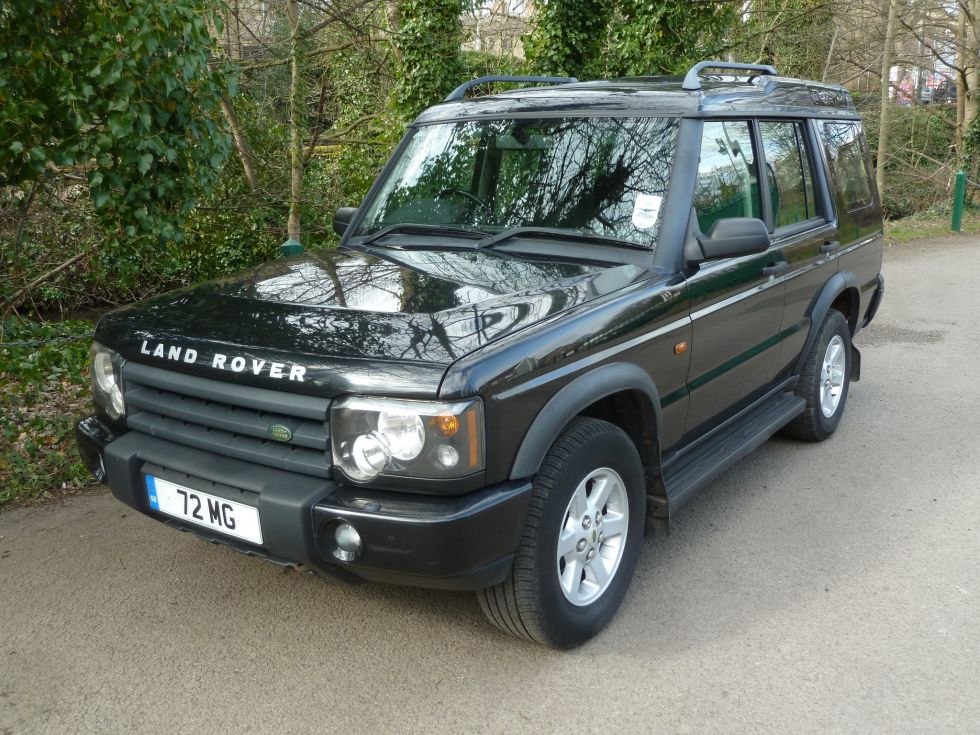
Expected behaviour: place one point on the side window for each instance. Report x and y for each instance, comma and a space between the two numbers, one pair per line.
790, 175
728, 182
845, 154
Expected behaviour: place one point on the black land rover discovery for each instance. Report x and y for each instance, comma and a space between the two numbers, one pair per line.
558, 313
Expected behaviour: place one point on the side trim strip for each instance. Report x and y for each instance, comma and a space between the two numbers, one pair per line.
856, 245
736, 298
592, 359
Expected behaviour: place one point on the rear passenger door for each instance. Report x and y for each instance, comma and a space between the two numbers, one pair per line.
801, 227
858, 209
736, 303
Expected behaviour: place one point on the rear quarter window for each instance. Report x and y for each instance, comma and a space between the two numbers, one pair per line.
849, 172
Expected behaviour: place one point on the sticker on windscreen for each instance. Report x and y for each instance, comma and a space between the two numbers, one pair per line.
645, 211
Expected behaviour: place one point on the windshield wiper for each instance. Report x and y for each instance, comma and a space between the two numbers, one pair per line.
556, 234
409, 228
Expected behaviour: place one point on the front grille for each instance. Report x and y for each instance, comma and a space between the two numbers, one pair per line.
229, 419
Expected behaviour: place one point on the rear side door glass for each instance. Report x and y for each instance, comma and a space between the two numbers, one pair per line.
790, 174
728, 180
845, 155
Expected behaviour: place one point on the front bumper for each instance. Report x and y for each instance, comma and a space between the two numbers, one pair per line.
460, 542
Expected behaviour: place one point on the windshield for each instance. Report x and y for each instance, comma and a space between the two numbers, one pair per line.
595, 176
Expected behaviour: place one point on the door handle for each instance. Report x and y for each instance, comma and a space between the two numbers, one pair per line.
774, 269
830, 246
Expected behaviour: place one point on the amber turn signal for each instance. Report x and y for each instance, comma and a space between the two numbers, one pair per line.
446, 424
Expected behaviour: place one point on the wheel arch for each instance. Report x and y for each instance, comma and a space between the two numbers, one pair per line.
622, 393
840, 292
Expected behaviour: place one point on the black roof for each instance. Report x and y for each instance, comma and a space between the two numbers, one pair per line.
719, 95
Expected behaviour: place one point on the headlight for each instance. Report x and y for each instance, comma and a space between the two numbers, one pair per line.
422, 439
106, 385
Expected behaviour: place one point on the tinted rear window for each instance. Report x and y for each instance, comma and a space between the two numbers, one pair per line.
848, 168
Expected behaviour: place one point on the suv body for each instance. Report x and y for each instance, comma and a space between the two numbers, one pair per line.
610, 289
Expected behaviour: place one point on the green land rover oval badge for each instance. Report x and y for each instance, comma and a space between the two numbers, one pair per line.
280, 433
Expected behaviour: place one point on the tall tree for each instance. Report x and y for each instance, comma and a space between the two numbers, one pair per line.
295, 122
885, 121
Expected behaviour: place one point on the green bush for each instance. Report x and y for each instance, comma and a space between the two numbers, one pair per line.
43, 389
920, 161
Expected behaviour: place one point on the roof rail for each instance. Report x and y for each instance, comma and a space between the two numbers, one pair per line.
692, 80
460, 91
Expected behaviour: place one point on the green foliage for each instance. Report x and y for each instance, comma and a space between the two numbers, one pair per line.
568, 36
792, 35
232, 229
665, 36
482, 64
361, 82
122, 88
971, 151
43, 388
606, 38
428, 48
920, 158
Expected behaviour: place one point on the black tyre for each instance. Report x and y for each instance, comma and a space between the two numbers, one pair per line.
824, 381
581, 541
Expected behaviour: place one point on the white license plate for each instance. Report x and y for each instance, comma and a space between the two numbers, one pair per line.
202, 509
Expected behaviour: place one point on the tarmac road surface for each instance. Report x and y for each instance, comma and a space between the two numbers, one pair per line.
812, 588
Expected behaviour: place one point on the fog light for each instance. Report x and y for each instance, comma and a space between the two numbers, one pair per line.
348, 542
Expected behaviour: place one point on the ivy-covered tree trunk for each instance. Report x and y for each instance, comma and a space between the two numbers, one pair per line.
427, 45
972, 97
588, 38
568, 36
666, 36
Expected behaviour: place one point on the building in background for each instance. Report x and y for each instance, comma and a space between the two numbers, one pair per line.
497, 27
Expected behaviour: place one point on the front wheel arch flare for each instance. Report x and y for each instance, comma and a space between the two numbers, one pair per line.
571, 400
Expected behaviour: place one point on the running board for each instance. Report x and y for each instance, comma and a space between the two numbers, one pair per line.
695, 469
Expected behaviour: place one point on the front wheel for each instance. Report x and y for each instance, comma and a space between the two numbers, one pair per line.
581, 541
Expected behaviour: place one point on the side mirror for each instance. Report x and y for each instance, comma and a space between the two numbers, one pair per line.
342, 219
735, 236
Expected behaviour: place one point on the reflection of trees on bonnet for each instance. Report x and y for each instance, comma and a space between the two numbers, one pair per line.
426, 305
581, 174
404, 280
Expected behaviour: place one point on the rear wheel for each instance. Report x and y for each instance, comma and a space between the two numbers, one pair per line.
824, 381
581, 541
